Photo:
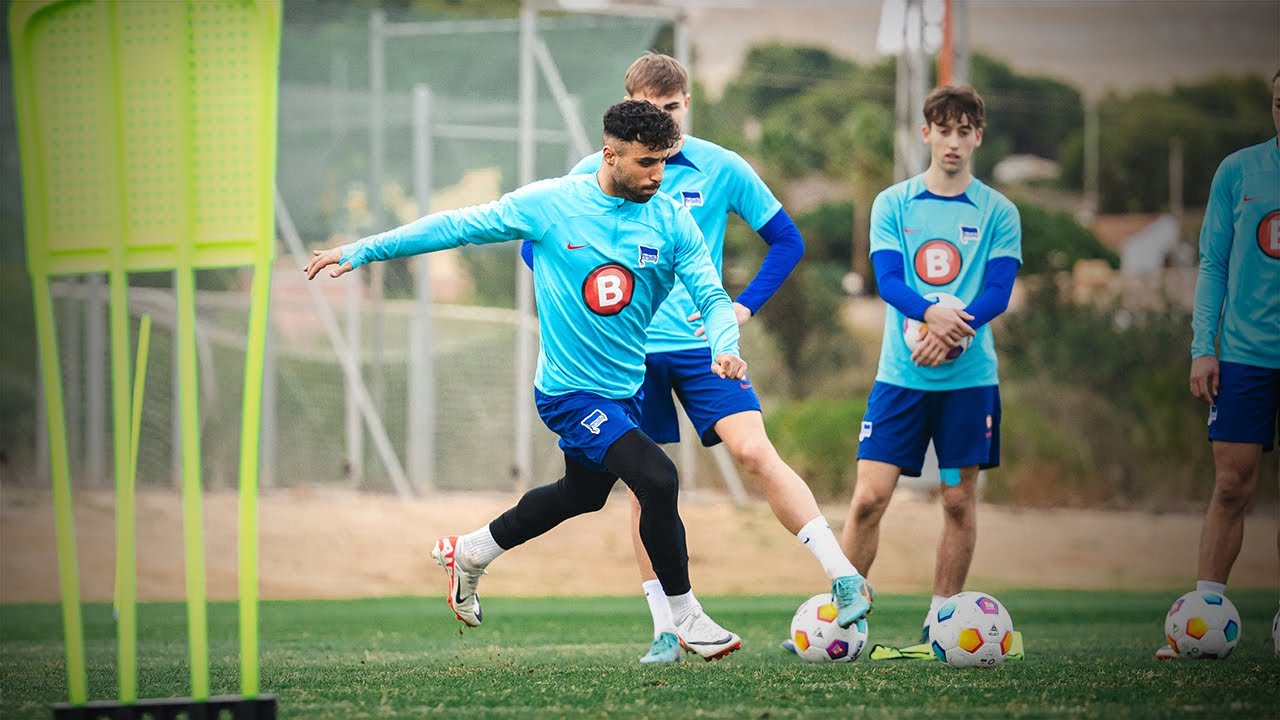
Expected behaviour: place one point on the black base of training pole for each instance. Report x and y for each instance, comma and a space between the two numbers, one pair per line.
221, 707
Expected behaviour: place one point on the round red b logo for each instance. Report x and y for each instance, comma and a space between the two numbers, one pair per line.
607, 289
1269, 234
938, 262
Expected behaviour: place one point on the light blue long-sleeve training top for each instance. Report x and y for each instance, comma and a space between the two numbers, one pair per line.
1238, 286
604, 266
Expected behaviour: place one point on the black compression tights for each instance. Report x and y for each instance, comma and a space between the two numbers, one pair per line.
651, 476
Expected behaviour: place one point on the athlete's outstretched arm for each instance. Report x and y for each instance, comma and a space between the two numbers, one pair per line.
497, 221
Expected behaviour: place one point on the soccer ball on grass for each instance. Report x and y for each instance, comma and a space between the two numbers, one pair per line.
971, 629
1202, 625
818, 638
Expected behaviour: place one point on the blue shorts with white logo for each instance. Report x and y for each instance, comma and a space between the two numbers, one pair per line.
963, 424
1247, 408
588, 424
706, 397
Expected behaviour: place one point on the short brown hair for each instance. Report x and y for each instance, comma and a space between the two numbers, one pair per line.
951, 102
657, 73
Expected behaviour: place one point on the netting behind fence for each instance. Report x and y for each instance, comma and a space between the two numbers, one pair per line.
304, 433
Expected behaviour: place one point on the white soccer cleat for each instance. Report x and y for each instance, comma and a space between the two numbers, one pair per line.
1167, 653
705, 638
463, 580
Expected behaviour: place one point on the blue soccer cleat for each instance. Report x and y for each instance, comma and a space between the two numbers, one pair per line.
853, 596
665, 649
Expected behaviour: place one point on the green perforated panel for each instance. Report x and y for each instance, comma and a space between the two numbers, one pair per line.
147, 132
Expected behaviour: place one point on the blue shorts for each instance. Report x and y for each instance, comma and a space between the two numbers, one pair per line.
1247, 408
963, 424
706, 397
588, 424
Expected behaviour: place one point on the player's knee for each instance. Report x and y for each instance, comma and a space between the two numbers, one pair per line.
583, 497
1233, 487
657, 483
755, 455
869, 505
958, 509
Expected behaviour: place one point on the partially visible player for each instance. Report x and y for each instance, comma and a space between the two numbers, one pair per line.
1235, 344
713, 182
610, 247
941, 231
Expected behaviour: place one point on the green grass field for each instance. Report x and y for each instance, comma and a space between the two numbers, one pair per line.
1089, 654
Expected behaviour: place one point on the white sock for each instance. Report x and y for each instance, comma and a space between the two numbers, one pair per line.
818, 538
682, 606
934, 604
659, 608
480, 548
1211, 586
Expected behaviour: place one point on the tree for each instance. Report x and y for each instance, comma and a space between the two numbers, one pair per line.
1213, 119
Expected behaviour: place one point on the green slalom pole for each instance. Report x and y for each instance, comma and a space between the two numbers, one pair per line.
59, 472
250, 438
126, 532
192, 500
126, 560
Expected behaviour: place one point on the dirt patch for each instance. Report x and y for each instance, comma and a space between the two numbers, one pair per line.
328, 544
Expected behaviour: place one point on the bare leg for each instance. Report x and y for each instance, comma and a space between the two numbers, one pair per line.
861, 536
959, 533
789, 497
1235, 477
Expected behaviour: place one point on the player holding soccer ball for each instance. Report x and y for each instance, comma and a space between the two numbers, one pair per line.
940, 232
1235, 345
712, 182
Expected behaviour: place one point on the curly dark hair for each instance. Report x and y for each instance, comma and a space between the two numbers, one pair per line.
643, 122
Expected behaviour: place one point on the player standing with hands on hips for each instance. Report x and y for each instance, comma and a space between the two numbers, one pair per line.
610, 248
1235, 344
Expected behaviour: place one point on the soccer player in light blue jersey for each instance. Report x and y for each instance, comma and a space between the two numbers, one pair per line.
943, 231
713, 182
1235, 343
610, 248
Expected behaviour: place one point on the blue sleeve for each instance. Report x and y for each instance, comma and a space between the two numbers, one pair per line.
786, 247
497, 221
997, 285
891, 280
526, 252
1216, 236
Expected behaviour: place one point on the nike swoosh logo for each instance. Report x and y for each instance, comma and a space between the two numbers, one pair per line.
571, 246
912, 230
721, 641
745, 386
1250, 199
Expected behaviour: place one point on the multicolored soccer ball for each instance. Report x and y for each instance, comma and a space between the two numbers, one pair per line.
818, 638
1202, 625
971, 629
913, 330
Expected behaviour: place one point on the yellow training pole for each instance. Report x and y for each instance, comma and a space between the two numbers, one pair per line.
126, 562
192, 501
126, 533
59, 471
250, 434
